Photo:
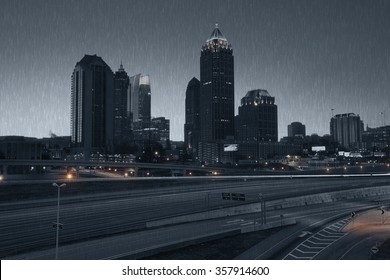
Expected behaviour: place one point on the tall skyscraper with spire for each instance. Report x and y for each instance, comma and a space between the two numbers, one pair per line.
122, 118
217, 92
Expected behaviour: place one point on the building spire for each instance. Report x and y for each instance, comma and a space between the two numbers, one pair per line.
216, 34
121, 67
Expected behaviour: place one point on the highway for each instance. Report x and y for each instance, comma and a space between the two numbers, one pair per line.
26, 223
362, 237
342, 238
133, 244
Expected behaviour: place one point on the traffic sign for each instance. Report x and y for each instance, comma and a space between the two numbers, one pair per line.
238, 196
233, 196
353, 214
383, 211
374, 249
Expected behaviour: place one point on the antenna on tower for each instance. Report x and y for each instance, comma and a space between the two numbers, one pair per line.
383, 118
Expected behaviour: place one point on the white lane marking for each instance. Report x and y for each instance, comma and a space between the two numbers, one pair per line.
329, 236
329, 239
306, 251
303, 258
331, 231
312, 247
245, 224
334, 227
323, 239
317, 243
350, 249
300, 230
235, 221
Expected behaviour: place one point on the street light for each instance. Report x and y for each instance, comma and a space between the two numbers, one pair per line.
57, 224
263, 209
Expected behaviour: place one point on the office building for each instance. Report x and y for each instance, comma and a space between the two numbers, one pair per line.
192, 117
92, 107
216, 88
216, 92
158, 131
122, 121
160, 128
139, 98
347, 130
296, 129
20, 148
257, 119
377, 139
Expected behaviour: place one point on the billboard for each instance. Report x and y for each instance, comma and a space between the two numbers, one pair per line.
230, 147
318, 148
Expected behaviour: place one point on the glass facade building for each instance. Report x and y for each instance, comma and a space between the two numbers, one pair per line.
92, 106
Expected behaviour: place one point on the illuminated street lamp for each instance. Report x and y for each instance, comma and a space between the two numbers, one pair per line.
57, 224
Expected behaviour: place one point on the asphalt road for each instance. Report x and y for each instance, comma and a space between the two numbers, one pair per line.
342, 238
26, 224
131, 245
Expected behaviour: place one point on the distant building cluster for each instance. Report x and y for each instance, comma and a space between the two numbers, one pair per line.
111, 116
210, 123
110, 112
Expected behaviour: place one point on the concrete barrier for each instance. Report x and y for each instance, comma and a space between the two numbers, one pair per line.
274, 205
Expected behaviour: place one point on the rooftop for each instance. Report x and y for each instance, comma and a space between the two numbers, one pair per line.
216, 34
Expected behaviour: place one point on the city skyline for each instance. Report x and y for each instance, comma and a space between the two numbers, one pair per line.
313, 57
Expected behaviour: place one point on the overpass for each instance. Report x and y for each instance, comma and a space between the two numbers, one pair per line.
180, 168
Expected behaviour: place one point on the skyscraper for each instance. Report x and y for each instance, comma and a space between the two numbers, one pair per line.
347, 129
216, 96
192, 117
92, 106
139, 101
257, 119
216, 88
122, 122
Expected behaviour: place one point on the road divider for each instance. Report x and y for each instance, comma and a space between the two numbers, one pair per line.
300, 201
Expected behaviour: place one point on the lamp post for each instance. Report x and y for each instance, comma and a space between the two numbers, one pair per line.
262, 207
57, 224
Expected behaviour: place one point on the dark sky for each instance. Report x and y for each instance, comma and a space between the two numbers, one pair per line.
311, 55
